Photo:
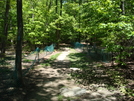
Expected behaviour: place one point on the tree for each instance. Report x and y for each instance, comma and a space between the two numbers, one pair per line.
57, 32
55, 21
5, 28
79, 36
18, 65
108, 21
2, 8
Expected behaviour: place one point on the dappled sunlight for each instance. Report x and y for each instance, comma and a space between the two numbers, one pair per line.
67, 50
7, 85
47, 82
75, 78
92, 75
44, 87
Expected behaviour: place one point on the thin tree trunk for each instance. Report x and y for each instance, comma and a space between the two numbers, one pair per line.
123, 7
59, 34
6, 24
56, 3
49, 6
18, 65
121, 50
57, 25
60, 7
79, 36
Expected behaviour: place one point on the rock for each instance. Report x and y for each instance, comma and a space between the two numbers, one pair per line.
111, 98
73, 91
74, 69
80, 92
68, 94
95, 94
104, 92
63, 90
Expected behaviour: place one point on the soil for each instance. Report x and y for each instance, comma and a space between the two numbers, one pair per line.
43, 83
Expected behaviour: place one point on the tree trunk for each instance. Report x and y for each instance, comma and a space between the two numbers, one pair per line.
121, 43
5, 32
56, 9
18, 65
79, 36
59, 33
123, 7
57, 25
49, 6
60, 7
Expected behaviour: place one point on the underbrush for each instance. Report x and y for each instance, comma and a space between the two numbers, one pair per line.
96, 73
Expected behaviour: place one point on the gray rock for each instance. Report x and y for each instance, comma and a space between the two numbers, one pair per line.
112, 98
73, 91
80, 92
95, 94
68, 94
104, 92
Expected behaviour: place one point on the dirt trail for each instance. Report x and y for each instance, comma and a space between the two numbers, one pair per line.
47, 81
45, 84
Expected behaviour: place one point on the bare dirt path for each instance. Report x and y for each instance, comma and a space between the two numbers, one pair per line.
46, 82
52, 82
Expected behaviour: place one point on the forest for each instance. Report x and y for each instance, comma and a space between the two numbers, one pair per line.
109, 24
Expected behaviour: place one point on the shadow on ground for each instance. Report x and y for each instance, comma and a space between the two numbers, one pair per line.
41, 85
6, 83
95, 72
90, 71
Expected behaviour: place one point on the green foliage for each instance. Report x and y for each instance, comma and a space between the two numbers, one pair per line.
27, 60
60, 98
46, 64
99, 20
34, 22
53, 57
103, 21
78, 60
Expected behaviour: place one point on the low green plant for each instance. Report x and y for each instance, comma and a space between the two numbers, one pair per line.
46, 64
78, 60
27, 60
129, 92
53, 57
119, 80
60, 98
69, 99
111, 88
99, 65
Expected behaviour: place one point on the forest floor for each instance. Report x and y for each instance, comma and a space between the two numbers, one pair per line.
46, 80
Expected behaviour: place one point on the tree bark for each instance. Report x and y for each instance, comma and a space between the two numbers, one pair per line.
18, 65
59, 34
123, 7
6, 24
60, 7
79, 36
57, 25
121, 43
